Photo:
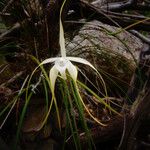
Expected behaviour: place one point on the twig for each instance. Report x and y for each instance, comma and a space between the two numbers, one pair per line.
140, 36
2, 70
130, 16
120, 6
7, 6
12, 79
16, 27
4, 14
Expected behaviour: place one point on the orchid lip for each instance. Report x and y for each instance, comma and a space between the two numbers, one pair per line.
62, 62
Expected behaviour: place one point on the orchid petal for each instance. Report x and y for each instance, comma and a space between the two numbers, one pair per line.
53, 76
72, 71
63, 74
82, 61
49, 60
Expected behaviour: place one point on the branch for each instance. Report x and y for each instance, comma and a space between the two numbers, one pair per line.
111, 18
120, 6
14, 78
12, 31
140, 36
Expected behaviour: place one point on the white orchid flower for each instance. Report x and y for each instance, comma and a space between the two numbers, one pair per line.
63, 63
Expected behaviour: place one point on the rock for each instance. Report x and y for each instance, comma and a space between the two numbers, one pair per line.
96, 36
114, 55
32, 124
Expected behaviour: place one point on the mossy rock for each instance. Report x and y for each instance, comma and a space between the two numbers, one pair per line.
114, 55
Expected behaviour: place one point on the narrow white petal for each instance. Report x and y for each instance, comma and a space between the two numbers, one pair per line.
63, 74
61, 33
82, 61
62, 40
72, 71
49, 60
53, 76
